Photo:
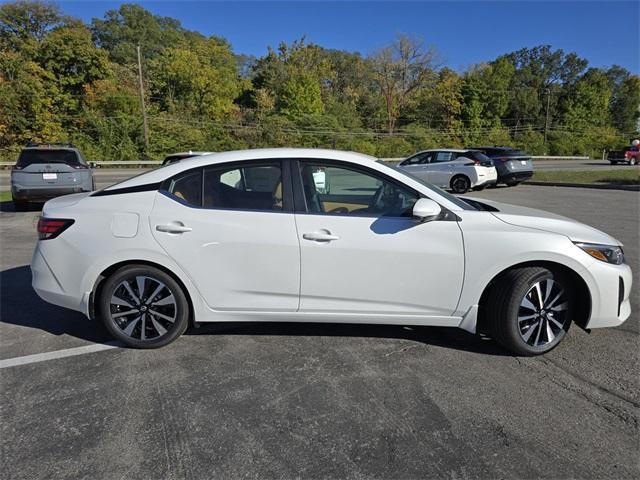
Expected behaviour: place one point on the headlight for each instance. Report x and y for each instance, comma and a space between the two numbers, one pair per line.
605, 253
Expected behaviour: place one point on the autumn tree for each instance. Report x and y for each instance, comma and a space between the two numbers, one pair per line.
399, 71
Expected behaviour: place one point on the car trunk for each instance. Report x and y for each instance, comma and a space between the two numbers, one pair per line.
41, 174
520, 163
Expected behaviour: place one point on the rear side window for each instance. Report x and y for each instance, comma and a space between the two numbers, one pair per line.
252, 187
30, 157
444, 156
188, 187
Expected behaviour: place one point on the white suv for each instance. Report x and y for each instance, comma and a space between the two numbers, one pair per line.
456, 170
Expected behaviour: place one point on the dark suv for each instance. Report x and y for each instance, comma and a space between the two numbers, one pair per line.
47, 170
513, 165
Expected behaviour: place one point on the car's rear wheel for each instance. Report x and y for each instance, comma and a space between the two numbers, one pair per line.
511, 183
143, 307
460, 184
479, 188
529, 310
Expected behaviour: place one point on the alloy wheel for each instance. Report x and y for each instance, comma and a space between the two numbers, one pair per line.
543, 313
143, 307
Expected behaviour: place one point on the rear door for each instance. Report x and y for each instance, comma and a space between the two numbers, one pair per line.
441, 168
231, 227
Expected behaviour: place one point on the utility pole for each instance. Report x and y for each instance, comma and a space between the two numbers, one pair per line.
546, 121
144, 111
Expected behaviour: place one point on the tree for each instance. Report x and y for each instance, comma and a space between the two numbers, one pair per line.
625, 99
131, 25
69, 54
588, 103
24, 24
400, 69
202, 79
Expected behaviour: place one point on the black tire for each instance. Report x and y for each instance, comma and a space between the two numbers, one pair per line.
614, 163
506, 316
460, 184
479, 188
144, 316
511, 183
20, 206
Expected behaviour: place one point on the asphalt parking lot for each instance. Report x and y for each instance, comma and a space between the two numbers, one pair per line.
318, 401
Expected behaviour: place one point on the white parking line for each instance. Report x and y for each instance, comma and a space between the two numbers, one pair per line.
69, 352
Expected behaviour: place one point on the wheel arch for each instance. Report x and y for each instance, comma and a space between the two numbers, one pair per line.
579, 287
107, 272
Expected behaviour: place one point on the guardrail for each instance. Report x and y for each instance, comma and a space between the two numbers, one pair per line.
149, 163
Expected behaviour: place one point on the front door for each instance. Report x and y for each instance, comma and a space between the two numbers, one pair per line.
361, 251
232, 229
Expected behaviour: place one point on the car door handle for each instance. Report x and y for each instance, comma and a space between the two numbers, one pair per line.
321, 236
173, 228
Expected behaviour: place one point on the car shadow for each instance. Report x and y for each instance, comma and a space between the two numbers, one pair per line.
21, 306
8, 206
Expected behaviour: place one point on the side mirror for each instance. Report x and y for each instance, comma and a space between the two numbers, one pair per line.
426, 210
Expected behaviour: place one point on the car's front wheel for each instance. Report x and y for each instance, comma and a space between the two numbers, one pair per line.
528, 310
143, 307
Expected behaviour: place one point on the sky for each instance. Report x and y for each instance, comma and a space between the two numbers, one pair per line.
465, 32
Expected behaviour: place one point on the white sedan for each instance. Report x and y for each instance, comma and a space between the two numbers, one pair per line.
456, 170
250, 236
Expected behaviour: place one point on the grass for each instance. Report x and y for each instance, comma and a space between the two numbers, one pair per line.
5, 196
610, 177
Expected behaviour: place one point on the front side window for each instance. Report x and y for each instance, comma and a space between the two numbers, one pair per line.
417, 159
343, 190
252, 187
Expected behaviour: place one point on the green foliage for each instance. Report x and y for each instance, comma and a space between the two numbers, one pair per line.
61, 80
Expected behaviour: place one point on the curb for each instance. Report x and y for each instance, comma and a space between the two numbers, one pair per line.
632, 188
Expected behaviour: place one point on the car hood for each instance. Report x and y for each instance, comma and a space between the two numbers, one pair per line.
549, 222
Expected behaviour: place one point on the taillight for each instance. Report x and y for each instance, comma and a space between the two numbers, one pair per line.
477, 162
79, 166
52, 227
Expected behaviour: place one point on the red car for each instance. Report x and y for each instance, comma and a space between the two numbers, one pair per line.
629, 155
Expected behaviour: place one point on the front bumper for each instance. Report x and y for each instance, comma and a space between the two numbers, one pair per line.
610, 291
42, 194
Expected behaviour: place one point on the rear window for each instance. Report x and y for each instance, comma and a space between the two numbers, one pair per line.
30, 157
481, 157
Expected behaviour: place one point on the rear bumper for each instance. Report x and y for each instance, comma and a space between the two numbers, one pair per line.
48, 287
42, 194
515, 176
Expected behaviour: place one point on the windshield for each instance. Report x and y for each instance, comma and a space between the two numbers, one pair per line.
30, 157
453, 199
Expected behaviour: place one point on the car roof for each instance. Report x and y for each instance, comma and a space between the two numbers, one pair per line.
452, 150
189, 153
160, 174
51, 147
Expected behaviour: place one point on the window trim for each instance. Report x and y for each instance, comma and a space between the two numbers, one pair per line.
285, 175
301, 200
